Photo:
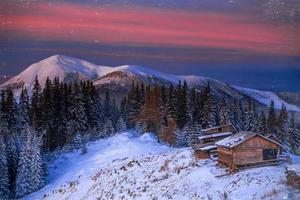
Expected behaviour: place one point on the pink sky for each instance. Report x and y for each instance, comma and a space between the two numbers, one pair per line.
146, 26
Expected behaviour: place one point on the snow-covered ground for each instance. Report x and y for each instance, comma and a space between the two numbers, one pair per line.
130, 167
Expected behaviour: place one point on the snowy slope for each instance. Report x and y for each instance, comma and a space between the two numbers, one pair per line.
128, 167
265, 97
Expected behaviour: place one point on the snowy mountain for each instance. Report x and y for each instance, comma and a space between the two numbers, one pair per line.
118, 79
126, 166
265, 97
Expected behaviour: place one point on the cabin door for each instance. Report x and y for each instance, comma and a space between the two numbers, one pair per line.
270, 154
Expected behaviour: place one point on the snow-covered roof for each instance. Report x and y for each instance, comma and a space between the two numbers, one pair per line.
236, 139
216, 127
215, 135
208, 147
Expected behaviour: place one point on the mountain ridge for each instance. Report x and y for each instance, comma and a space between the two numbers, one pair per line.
119, 79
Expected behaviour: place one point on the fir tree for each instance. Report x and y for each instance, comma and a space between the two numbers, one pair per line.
235, 115
294, 135
171, 105
4, 176
121, 125
251, 117
224, 112
182, 105
35, 114
208, 109
24, 108
134, 106
242, 116
193, 136
282, 125
77, 111
108, 128
11, 111
262, 128
107, 105
30, 166
271, 122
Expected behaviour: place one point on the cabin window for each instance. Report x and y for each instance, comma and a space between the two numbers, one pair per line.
220, 129
270, 154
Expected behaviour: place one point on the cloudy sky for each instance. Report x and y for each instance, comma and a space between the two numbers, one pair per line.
253, 43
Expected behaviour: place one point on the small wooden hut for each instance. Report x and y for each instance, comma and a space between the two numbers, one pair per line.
247, 148
220, 129
205, 148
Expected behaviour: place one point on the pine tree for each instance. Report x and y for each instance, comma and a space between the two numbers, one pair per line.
262, 128
251, 117
47, 113
12, 151
11, 111
182, 105
282, 125
193, 136
208, 109
121, 125
171, 104
35, 114
242, 116
30, 166
107, 105
24, 108
77, 111
132, 108
4, 176
235, 115
271, 122
224, 112
294, 135
77, 142
108, 128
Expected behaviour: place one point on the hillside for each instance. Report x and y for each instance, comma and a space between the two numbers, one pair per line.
130, 167
119, 79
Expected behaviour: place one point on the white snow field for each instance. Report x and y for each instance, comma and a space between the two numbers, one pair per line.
131, 167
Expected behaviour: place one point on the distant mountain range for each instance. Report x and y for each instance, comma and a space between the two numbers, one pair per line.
119, 79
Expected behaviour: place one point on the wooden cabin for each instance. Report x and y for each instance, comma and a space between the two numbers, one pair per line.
220, 129
247, 148
205, 148
211, 135
204, 152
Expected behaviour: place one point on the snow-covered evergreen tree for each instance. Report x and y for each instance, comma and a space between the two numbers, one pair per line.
251, 117
224, 112
282, 125
262, 128
77, 142
4, 176
208, 108
242, 116
35, 114
30, 166
24, 108
77, 111
235, 115
193, 136
121, 125
271, 122
108, 128
294, 135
